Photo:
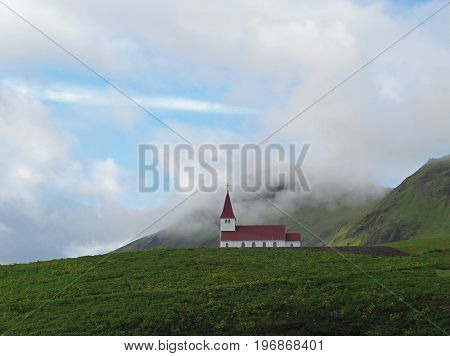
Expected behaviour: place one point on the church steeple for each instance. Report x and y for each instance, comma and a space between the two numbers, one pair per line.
227, 212
227, 218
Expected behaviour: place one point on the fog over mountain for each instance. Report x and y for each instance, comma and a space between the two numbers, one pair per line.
200, 228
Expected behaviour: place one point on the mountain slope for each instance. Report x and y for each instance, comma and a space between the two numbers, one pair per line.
170, 238
327, 221
418, 208
177, 235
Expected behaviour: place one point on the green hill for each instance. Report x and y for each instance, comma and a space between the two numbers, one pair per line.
418, 209
169, 238
422, 245
327, 221
226, 292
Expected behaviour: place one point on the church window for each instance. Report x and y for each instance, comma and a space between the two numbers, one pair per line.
243, 244
274, 244
253, 244
226, 244
264, 244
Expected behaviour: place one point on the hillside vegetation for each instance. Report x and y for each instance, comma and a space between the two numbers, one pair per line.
417, 209
326, 222
422, 245
222, 292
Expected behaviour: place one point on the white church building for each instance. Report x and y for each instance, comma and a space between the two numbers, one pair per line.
232, 235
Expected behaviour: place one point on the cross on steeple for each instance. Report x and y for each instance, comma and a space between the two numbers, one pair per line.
228, 185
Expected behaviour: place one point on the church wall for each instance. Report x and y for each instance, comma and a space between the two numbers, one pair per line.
248, 244
294, 243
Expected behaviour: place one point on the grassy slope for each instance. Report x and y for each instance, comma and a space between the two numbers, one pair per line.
419, 208
326, 222
422, 245
167, 239
211, 291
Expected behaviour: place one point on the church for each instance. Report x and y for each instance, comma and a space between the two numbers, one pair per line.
232, 235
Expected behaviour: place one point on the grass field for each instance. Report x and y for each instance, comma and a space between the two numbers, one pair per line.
233, 291
422, 245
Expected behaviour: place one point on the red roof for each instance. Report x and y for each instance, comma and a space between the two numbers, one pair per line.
293, 236
255, 233
227, 212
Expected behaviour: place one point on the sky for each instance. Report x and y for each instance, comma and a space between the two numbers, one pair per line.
217, 72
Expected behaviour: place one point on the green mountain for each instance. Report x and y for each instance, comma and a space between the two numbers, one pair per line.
327, 221
418, 209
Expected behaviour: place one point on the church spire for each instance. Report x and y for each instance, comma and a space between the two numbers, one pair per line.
227, 212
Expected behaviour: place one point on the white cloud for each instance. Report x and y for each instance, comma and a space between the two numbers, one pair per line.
37, 153
51, 202
103, 179
5, 229
32, 146
91, 97
191, 105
